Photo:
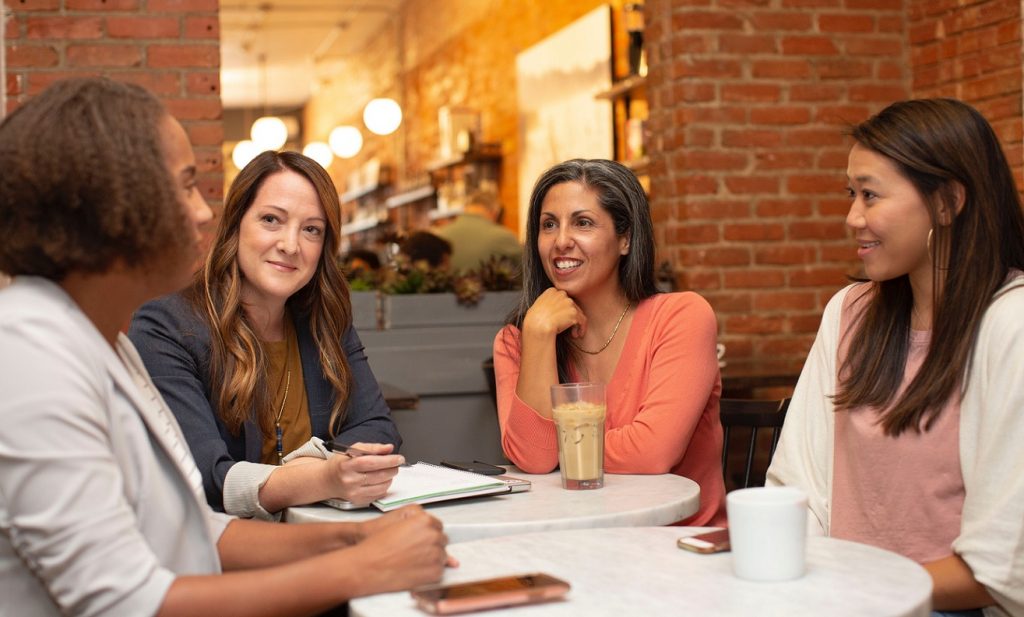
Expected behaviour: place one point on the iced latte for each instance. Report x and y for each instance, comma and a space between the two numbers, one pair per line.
579, 413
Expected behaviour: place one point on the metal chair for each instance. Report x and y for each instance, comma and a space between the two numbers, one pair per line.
754, 414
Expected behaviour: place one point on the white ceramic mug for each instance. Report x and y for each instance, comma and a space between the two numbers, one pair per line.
768, 533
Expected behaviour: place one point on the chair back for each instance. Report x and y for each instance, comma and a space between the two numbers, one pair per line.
755, 415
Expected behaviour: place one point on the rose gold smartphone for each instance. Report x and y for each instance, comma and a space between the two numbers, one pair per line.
710, 542
489, 593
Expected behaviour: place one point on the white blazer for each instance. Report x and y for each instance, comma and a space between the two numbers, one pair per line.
101, 505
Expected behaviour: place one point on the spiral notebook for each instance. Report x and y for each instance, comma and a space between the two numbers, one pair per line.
426, 483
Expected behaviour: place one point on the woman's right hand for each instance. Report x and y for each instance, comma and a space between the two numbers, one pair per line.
362, 479
553, 312
404, 548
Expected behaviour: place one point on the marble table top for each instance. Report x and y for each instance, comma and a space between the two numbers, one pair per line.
640, 571
624, 501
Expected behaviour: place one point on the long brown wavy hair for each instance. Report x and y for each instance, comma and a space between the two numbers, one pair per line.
936, 144
238, 362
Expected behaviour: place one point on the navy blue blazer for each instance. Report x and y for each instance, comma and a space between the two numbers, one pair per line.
175, 345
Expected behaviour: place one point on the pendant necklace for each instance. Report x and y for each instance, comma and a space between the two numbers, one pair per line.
277, 420
610, 337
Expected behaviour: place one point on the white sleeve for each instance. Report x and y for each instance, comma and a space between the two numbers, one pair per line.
244, 480
804, 455
62, 503
991, 537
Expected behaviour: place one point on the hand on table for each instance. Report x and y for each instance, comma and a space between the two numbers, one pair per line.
404, 548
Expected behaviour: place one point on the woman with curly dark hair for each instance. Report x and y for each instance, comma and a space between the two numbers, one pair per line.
102, 506
258, 358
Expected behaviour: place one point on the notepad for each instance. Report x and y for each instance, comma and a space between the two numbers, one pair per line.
425, 483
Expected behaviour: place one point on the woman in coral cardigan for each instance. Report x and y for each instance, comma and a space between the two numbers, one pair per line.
590, 311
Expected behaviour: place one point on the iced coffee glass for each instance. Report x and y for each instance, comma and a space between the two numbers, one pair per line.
578, 410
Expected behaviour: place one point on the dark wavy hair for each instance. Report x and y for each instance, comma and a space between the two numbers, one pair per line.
85, 182
621, 196
936, 144
238, 363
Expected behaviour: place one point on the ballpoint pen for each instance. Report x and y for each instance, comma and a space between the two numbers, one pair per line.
351, 451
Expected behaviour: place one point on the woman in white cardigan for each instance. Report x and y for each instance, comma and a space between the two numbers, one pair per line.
102, 509
905, 427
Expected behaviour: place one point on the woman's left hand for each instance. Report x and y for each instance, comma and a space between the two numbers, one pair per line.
362, 479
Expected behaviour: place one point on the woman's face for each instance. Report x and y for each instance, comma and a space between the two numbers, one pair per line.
577, 242
889, 219
280, 239
181, 164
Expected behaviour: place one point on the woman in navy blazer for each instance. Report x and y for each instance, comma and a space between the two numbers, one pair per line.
258, 358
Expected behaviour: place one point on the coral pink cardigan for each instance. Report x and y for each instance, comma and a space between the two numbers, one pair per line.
662, 402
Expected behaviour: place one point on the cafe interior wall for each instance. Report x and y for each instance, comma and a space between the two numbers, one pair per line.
440, 52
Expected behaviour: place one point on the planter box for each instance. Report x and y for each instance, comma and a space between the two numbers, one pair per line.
365, 305
435, 347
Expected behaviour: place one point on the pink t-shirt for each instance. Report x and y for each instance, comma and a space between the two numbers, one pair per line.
904, 494
662, 400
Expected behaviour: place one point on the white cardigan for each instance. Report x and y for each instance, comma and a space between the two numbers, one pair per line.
101, 505
991, 538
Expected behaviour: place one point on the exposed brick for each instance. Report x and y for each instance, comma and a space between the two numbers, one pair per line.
101, 5
143, 27
754, 277
714, 209
792, 21
731, 302
754, 324
696, 185
694, 93
751, 138
750, 93
163, 84
817, 230
202, 28
791, 253
780, 115
746, 44
31, 56
813, 137
203, 83
817, 277
785, 301
752, 184
54, 27
700, 233
764, 161
33, 5
846, 23
754, 232
783, 69
182, 6
806, 183
843, 69
809, 46
104, 55
194, 109
183, 56
13, 84
814, 92
713, 160
714, 256
41, 80
703, 20
784, 207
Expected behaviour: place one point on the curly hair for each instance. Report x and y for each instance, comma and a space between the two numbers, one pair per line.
238, 363
85, 182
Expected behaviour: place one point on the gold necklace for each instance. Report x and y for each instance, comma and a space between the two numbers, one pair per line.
609, 341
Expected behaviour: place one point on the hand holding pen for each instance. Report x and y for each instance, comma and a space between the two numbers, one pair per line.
364, 471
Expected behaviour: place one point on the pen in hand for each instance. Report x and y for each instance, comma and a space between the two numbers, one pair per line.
350, 451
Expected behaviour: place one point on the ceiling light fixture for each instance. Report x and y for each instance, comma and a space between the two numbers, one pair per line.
319, 152
382, 116
346, 141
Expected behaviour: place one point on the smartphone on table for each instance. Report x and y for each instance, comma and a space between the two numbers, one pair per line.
489, 593
710, 542
475, 466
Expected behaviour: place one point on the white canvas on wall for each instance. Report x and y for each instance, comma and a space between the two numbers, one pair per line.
559, 118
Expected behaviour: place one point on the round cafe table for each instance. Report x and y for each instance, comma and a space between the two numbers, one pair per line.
624, 501
640, 571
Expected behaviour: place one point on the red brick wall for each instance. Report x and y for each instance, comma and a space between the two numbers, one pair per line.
971, 51
748, 100
171, 47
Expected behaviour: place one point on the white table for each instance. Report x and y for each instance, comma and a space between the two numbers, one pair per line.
640, 571
624, 501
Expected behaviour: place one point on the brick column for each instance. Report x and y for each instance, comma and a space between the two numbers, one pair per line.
748, 101
170, 47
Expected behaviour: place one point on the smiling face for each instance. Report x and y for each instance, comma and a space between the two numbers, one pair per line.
280, 240
889, 219
577, 243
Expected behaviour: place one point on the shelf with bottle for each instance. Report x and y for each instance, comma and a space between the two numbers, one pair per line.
458, 178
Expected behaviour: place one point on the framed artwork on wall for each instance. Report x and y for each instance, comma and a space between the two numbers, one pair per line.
556, 83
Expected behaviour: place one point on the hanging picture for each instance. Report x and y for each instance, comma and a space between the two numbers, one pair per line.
559, 118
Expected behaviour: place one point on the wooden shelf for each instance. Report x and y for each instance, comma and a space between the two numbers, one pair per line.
363, 192
410, 196
623, 86
358, 226
639, 166
486, 152
444, 214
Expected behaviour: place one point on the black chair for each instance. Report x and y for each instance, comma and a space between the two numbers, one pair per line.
755, 415
488, 366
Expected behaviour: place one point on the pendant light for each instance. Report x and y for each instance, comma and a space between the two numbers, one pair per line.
319, 152
382, 116
346, 141
268, 132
